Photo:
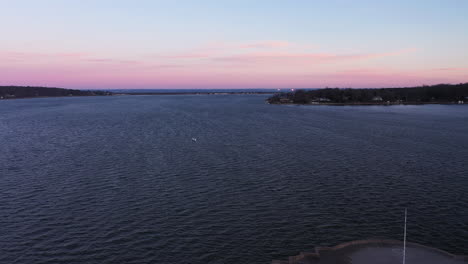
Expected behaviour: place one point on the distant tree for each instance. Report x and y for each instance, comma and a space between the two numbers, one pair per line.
437, 93
32, 91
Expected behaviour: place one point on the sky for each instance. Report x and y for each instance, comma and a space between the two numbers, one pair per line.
112, 44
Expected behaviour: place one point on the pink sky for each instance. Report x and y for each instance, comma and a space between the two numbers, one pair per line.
269, 64
233, 44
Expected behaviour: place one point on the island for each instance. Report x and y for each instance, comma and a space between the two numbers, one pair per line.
435, 94
13, 92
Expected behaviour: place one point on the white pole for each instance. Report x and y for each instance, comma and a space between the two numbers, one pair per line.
404, 242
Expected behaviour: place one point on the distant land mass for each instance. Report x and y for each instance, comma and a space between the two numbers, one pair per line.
191, 91
12, 92
440, 93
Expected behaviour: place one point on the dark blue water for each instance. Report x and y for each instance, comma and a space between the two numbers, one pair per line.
119, 180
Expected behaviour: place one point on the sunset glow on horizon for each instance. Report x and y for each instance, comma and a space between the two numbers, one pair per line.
232, 44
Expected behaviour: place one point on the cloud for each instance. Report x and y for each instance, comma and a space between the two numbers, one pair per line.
52, 58
303, 58
260, 45
71, 55
218, 48
34, 56
256, 64
114, 61
265, 45
265, 53
99, 60
450, 69
185, 55
169, 76
263, 56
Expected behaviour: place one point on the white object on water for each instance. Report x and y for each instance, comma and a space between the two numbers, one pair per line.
194, 139
404, 242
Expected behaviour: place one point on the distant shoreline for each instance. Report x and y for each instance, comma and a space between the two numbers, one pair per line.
135, 94
369, 104
25, 92
193, 93
435, 94
29, 92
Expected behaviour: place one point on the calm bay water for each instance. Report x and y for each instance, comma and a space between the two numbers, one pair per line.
119, 180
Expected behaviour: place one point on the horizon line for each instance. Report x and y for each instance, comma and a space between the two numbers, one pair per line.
250, 88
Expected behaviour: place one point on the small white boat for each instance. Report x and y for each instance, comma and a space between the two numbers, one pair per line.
194, 139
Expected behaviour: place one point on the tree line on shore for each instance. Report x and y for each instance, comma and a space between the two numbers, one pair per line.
421, 94
10, 92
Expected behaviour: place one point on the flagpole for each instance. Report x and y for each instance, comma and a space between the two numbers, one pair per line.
404, 241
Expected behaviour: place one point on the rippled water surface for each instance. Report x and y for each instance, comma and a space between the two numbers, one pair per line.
119, 179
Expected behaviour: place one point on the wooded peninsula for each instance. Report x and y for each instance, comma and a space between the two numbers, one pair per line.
12, 92
440, 93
